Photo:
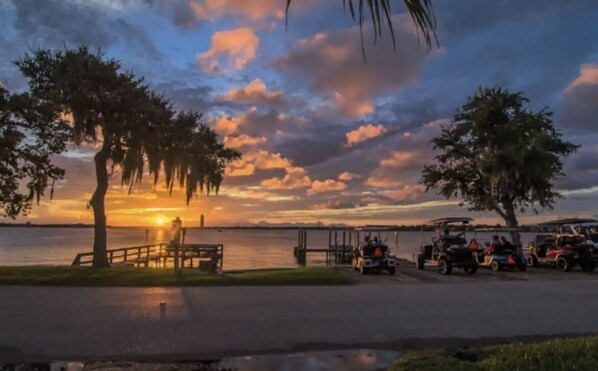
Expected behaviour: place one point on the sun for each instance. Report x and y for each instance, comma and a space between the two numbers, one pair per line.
160, 221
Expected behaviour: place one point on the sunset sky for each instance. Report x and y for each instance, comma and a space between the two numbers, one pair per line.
324, 136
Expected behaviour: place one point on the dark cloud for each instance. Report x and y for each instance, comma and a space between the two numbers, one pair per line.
332, 65
59, 22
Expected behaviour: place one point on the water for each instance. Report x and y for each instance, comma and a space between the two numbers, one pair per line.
243, 248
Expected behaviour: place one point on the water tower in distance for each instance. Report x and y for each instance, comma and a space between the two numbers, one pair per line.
201, 221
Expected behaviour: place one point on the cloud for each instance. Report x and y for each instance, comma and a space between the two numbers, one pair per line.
295, 177
327, 185
260, 159
382, 181
348, 176
409, 192
363, 133
254, 93
253, 10
333, 205
332, 64
401, 160
580, 108
244, 140
230, 50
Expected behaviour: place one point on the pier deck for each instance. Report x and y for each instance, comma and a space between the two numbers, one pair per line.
157, 255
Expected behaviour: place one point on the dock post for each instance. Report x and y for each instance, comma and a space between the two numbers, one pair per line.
177, 225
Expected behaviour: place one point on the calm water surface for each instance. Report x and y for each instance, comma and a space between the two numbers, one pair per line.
243, 249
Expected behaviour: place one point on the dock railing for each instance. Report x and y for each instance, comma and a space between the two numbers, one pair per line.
190, 255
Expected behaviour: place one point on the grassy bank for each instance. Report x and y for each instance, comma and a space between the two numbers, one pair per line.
554, 355
152, 277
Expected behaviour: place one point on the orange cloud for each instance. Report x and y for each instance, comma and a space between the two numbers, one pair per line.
363, 133
408, 193
588, 75
382, 181
254, 10
256, 93
348, 176
242, 169
257, 160
327, 185
400, 159
230, 50
295, 177
228, 125
243, 140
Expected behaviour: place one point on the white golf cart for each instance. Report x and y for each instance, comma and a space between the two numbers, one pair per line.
371, 252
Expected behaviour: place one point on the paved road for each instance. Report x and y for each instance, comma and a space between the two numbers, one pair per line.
45, 323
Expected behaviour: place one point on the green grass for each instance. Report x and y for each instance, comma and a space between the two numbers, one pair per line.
160, 277
554, 355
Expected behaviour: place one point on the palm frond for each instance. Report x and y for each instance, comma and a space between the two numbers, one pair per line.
421, 13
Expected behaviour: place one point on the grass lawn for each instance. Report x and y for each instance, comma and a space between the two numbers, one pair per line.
152, 277
554, 355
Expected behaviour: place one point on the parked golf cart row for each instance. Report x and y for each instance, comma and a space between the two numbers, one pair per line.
562, 244
558, 243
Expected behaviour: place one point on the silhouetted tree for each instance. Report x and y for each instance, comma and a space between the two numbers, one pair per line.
498, 156
133, 127
30, 133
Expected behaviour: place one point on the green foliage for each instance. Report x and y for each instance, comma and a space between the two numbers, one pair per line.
161, 277
421, 13
30, 133
498, 156
554, 355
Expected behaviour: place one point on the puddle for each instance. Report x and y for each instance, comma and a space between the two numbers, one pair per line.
345, 360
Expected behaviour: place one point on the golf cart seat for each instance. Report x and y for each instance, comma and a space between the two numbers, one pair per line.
570, 240
375, 251
453, 240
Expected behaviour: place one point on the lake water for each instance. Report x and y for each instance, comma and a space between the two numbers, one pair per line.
243, 248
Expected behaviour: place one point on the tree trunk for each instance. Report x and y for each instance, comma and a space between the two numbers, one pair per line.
511, 222
100, 258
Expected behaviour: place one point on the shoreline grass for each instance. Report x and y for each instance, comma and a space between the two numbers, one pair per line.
555, 355
164, 277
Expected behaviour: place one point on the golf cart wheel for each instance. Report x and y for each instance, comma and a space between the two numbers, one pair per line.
471, 269
392, 271
564, 264
421, 261
495, 265
531, 261
588, 266
445, 267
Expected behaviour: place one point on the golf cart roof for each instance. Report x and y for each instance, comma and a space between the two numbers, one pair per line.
566, 221
377, 228
496, 230
450, 220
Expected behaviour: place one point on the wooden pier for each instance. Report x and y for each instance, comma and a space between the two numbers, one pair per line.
159, 255
338, 251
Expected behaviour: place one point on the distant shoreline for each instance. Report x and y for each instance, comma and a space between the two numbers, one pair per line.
404, 228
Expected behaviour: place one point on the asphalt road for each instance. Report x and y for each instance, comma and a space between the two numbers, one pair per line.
49, 323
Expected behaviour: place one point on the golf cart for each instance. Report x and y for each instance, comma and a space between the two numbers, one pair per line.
584, 227
563, 251
448, 251
371, 252
501, 255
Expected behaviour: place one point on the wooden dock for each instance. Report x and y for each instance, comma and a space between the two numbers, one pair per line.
158, 255
339, 250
